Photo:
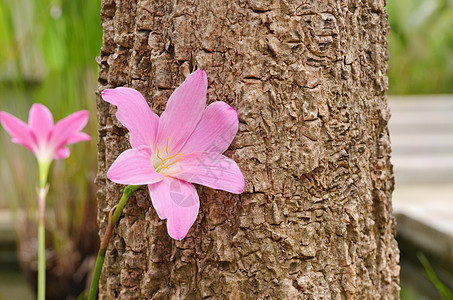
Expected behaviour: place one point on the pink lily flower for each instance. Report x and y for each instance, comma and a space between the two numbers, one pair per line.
46, 140
182, 147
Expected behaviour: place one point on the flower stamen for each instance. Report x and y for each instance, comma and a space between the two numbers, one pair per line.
157, 146
166, 148
162, 163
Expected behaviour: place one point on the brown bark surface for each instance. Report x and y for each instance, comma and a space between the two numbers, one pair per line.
308, 79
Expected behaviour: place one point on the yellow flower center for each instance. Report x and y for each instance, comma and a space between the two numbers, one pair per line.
167, 162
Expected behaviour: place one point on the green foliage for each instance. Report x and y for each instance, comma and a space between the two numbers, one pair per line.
444, 292
421, 46
407, 293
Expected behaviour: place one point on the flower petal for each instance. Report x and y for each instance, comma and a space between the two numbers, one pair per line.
211, 169
134, 113
40, 121
78, 137
178, 202
215, 131
66, 128
134, 166
62, 153
183, 112
18, 130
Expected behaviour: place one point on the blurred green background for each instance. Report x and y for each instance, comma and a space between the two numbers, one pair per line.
421, 46
47, 55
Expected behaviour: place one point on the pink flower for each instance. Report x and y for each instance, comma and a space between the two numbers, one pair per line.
182, 147
46, 140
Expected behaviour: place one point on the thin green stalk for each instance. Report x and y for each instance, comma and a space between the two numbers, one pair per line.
443, 290
41, 261
42, 194
114, 215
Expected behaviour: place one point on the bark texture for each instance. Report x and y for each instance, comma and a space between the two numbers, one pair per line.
308, 79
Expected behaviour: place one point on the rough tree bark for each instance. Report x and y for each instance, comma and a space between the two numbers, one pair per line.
308, 79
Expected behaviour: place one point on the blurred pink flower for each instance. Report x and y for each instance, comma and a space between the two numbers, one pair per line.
183, 146
46, 140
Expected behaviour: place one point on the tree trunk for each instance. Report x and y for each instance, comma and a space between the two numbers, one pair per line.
308, 79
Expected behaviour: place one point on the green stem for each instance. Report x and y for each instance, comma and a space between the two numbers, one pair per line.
42, 194
115, 214
43, 167
41, 261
